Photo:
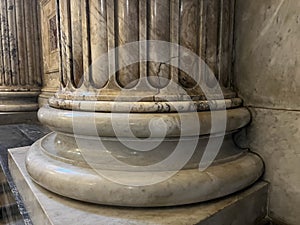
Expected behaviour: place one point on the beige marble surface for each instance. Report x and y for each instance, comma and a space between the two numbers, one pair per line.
138, 186
267, 77
274, 134
50, 54
47, 208
107, 124
143, 107
114, 24
98, 34
88, 30
20, 78
268, 53
127, 31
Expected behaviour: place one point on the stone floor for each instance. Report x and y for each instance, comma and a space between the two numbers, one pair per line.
12, 210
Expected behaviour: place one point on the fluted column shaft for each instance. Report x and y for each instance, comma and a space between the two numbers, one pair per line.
20, 63
203, 27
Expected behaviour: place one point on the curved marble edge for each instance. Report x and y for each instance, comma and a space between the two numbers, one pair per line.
149, 107
101, 124
69, 152
186, 187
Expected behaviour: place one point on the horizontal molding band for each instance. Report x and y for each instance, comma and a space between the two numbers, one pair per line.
145, 107
178, 124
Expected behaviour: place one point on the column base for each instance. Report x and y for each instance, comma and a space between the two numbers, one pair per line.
185, 187
18, 101
18, 106
45, 207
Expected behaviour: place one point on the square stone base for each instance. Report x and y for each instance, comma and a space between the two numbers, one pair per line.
247, 207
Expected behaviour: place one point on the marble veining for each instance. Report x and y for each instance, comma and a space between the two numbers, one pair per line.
20, 53
112, 25
20, 60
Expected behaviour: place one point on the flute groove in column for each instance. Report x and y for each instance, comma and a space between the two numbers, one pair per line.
98, 41
127, 32
159, 29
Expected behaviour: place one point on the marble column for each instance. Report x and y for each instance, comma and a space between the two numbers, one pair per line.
50, 53
112, 132
20, 64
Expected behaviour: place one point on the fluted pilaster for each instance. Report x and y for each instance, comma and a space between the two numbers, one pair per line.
50, 50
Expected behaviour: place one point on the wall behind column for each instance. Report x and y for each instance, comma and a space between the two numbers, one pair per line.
267, 76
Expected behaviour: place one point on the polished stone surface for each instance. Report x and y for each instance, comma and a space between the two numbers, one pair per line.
281, 154
48, 208
68, 161
107, 124
12, 210
268, 53
50, 51
18, 107
267, 77
18, 135
20, 78
88, 97
50, 45
20, 44
83, 182
85, 35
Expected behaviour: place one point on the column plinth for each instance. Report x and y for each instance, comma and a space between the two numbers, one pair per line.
147, 135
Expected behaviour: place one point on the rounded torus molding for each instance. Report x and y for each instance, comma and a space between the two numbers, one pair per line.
75, 171
19, 101
187, 186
